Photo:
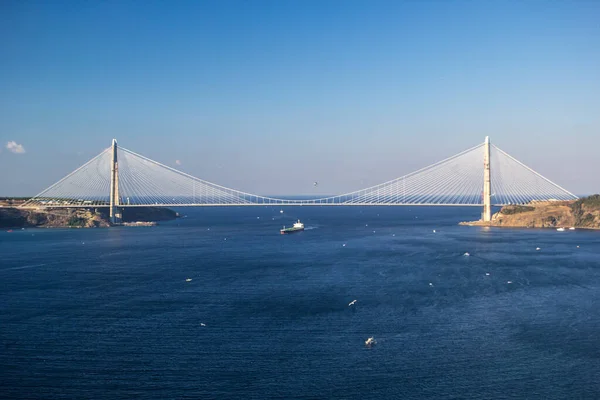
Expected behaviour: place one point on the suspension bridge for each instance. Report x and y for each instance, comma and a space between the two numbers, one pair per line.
482, 175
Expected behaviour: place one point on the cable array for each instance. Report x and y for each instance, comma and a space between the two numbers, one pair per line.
143, 181
515, 183
88, 185
457, 180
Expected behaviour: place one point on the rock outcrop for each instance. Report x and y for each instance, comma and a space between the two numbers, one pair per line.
582, 213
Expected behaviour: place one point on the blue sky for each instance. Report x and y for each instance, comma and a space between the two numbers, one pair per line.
269, 96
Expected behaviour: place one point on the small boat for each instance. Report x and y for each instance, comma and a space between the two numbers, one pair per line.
571, 228
298, 226
370, 342
560, 229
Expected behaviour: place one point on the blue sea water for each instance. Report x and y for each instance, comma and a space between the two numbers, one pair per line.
108, 313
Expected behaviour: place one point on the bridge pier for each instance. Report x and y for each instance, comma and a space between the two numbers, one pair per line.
487, 183
115, 210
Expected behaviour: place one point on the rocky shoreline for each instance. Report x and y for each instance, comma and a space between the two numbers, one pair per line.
583, 214
81, 217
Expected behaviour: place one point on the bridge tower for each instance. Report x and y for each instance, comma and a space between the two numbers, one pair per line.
115, 211
487, 182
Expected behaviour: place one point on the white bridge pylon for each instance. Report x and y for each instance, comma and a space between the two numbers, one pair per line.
455, 181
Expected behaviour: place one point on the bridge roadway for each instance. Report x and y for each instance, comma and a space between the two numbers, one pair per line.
259, 204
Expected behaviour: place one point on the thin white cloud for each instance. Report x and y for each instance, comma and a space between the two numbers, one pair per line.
177, 162
15, 148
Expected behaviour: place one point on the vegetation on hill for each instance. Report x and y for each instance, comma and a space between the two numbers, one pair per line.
590, 201
587, 211
508, 210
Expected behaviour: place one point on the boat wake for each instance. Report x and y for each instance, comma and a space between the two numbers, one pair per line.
24, 267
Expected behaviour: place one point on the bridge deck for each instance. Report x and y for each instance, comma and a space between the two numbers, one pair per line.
263, 204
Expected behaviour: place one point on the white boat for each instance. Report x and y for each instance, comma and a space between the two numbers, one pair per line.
571, 228
298, 226
370, 342
560, 229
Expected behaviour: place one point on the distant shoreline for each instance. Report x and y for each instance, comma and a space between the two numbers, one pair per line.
11, 217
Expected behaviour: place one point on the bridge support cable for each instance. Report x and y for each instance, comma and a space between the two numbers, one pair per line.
88, 185
447, 181
515, 183
146, 182
457, 180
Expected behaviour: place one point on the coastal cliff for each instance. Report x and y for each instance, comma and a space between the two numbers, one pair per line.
78, 217
582, 213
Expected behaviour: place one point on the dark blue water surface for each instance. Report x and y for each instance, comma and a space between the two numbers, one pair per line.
107, 313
